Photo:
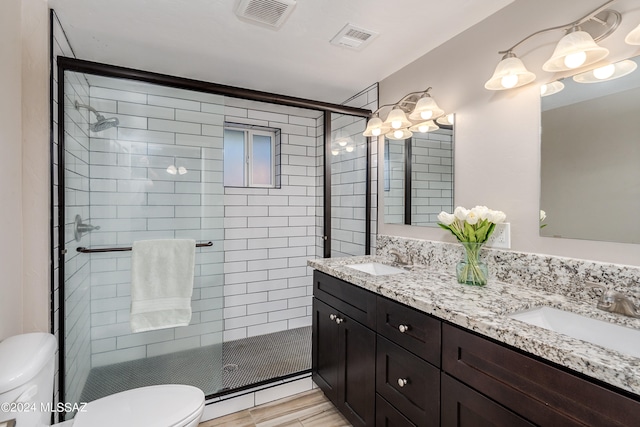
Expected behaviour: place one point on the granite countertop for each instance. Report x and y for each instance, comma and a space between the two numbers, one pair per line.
485, 309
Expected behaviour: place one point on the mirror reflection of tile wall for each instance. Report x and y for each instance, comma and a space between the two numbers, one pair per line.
430, 180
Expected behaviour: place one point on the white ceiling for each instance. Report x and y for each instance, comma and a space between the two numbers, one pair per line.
204, 40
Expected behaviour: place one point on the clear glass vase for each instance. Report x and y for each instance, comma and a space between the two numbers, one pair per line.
472, 270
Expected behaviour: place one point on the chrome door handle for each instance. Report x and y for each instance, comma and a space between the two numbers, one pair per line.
403, 328
333, 317
339, 320
402, 382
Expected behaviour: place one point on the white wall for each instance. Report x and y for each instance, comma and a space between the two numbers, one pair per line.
11, 169
24, 170
497, 134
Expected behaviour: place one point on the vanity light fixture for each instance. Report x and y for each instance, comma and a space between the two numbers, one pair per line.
421, 108
577, 48
633, 38
607, 72
551, 88
446, 120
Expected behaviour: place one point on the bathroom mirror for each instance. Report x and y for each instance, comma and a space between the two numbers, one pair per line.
590, 160
418, 177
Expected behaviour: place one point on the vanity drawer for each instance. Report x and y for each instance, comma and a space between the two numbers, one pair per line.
539, 392
409, 383
355, 302
421, 332
388, 416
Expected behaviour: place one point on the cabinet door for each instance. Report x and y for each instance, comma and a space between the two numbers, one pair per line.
325, 354
357, 387
465, 407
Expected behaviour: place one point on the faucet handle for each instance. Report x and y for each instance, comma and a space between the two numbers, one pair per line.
597, 285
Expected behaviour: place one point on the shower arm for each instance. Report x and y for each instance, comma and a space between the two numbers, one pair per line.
88, 107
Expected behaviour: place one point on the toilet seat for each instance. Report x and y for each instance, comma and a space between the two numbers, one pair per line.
169, 405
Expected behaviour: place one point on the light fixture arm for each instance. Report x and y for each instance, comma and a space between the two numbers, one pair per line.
589, 16
409, 98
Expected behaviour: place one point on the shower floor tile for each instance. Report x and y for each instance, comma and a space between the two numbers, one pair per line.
244, 362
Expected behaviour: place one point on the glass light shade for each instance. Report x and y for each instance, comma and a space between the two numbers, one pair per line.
426, 109
428, 126
633, 38
397, 119
551, 88
375, 127
349, 148
447, 120
510, 73
335, 152
575, 49
608, 72
399, 134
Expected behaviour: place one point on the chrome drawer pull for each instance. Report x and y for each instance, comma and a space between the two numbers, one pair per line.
403, 328
333, 317
339, 320
402, 382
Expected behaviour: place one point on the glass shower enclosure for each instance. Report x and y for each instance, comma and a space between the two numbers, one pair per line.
260, 184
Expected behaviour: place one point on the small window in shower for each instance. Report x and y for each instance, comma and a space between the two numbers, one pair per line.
251, 156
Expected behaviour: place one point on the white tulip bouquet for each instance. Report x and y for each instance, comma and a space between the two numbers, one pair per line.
472, 228
471, 225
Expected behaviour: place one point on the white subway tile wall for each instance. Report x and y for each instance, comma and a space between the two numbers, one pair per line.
432, 176
270, 232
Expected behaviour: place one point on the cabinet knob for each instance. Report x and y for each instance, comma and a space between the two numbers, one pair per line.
339, 320
402, 382
333, 317
403, 328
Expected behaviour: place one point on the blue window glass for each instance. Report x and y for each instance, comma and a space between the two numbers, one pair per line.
234, 158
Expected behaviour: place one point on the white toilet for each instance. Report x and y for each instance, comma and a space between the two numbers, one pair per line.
26, 392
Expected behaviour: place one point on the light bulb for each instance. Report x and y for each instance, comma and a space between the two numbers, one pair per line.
376, 132
171, 169
349, 149
182, 170
423, 128
335, 152
509, 81
604, 72
398, 134
575, 60
342, 143
396, 124
426, 115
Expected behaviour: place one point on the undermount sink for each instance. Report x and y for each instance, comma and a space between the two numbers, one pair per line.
609, 335
376, 268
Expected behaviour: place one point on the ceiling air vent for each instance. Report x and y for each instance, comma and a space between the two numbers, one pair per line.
353, 37
271, 13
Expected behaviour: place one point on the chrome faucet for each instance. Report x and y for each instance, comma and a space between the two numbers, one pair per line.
399, 258
615, 302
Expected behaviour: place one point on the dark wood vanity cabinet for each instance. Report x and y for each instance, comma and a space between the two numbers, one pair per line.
535, 390
386, 364
344, 349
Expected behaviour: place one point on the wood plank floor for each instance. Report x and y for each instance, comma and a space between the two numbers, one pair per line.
309, 409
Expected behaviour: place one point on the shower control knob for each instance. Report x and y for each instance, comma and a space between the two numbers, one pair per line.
402, 382
333, 317
403, 328
339, 320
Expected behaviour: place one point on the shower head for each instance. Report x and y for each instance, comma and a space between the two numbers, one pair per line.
103, 123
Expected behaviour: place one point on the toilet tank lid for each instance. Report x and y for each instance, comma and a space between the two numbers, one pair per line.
22, 357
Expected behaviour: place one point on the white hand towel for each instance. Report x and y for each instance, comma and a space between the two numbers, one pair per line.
161, 283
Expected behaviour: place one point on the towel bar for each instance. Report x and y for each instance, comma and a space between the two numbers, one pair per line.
125, 249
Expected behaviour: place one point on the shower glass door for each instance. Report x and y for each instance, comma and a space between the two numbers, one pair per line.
155, 174
349, 183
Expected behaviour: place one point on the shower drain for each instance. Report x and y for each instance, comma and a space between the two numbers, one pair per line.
230, 367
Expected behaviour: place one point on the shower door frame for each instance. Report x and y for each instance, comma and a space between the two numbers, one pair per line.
106, 70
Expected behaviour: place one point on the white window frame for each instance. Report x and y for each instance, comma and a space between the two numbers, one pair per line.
249, 131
